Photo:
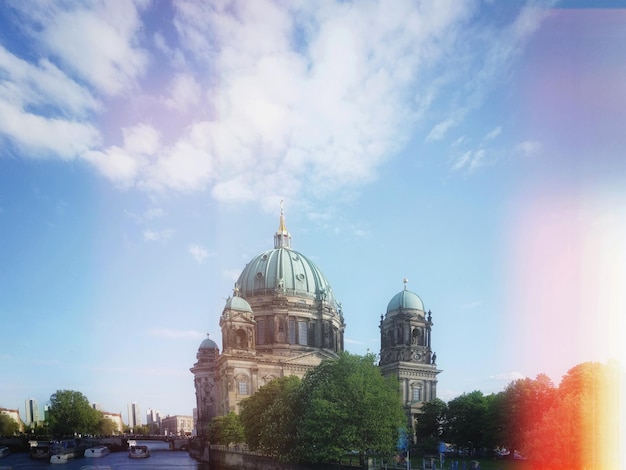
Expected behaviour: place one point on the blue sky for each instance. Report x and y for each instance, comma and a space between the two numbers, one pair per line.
474, 148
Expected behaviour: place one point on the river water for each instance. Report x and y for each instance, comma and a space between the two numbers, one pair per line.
160, 458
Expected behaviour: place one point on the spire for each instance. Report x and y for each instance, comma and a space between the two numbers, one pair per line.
282, 238
405, 280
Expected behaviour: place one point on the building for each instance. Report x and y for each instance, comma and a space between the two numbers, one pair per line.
177, 425
31, 411
283, 319
153, 420
405, 350
117, 420
134, 416
15, 416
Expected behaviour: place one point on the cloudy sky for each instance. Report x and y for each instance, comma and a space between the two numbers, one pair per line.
475, 148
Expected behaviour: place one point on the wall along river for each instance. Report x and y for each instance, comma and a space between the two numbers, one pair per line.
160, 458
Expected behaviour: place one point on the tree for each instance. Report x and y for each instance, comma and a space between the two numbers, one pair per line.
270, 418
431, 425
8, 426
226, 429
70, 413
524, 404
106, 427
468, 420
580, 430
348, 406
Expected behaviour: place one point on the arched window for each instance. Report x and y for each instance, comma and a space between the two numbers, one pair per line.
241, 339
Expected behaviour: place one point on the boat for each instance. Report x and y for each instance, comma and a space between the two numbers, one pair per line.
4, 451
98, 451
66, 450
138, 452
95, 467
64, 457
41, 450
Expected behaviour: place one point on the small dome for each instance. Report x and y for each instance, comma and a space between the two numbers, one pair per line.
238, 303
405, 300
208, 344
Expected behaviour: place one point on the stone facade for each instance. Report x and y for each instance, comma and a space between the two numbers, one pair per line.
282, 319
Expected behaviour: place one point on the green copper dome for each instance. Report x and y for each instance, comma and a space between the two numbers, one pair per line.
283, 271
237, 303
405, 300
208, 344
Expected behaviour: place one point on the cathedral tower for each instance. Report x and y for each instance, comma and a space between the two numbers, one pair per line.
406, 350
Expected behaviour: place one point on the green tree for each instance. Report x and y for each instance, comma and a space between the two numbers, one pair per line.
8, 426
431, 425
270, 418
106, 427
70, 412
226, 429
348, 406
524, 404
467, 420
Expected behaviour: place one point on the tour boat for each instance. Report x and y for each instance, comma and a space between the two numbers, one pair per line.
99, 451
64, 457
139, 452
40, 450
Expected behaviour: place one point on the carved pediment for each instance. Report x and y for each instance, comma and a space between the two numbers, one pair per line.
312, 358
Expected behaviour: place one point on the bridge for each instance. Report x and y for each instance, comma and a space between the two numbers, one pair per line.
115, 443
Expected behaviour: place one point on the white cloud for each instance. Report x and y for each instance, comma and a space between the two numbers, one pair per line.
157, 235
273, 98
38, 136
528, 148
469, 160
199, 253
98, 44
185, 92
439, 131
493, 133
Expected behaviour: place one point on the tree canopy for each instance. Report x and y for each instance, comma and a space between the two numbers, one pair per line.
271, 416
226, 429
343, 405
8, 426
349, 406
70, 412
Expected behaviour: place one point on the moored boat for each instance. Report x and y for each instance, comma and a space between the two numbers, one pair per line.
41, 450
138, 452
4, 451
98, 451
64, 457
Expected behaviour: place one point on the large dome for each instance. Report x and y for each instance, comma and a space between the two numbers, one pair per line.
287, 271
284, 271
405, 300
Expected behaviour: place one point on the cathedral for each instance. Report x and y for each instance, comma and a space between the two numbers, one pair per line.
283, 319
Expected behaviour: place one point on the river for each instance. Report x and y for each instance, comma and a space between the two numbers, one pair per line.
160, 458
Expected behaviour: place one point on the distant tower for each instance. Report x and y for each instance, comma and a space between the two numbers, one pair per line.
153, 420
406, 352
204, 379
134, 416
32, 411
